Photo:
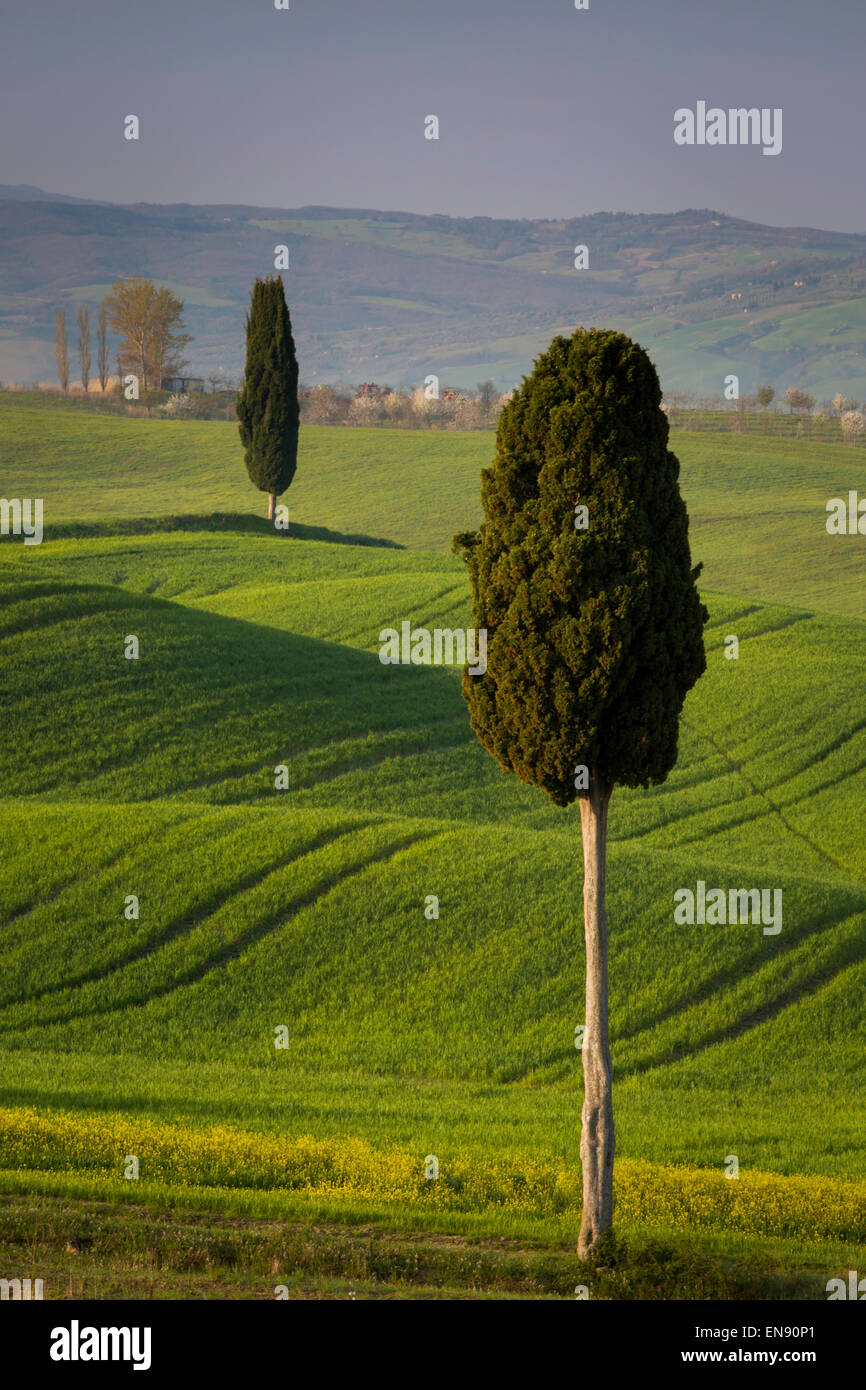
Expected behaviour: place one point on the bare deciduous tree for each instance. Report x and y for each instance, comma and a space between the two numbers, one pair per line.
149, 321
798, 400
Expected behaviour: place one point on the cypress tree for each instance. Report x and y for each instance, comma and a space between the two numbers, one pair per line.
267, 403
581, 573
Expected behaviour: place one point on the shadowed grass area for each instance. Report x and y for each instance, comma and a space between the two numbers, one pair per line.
216, 522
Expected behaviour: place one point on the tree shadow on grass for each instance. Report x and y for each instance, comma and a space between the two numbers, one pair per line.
211, 700
235, 523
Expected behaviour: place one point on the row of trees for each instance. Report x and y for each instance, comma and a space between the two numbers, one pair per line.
404, 407
61, 347
147, 319
751, 414
799, 401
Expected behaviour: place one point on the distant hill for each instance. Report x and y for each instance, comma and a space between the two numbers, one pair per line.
30, 193
392, 296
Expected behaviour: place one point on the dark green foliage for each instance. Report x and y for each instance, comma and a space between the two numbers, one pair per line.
594, 636
267, 404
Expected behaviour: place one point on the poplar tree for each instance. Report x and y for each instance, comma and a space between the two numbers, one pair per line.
102, 347
581, 573
61, 350
267, 403
84, 345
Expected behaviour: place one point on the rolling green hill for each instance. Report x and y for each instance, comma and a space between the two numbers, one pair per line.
258, 905
754, 503
304, 907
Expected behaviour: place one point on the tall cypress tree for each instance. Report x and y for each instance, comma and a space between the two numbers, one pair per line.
581, 574
267, 403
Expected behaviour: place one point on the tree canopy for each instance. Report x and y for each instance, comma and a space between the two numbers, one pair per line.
594, 624
267, 404
149, 322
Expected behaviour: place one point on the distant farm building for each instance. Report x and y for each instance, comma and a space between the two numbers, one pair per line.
182, 383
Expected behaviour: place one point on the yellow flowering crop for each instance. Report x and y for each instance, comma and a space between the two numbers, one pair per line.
645, 1194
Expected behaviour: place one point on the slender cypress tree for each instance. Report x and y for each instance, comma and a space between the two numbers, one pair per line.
581, 574
267, 403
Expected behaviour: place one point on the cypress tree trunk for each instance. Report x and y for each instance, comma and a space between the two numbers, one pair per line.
272, 502
596, 1139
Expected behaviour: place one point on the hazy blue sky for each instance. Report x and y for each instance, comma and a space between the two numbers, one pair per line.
545, 111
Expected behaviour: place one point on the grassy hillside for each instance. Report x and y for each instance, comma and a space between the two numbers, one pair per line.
753, 502
305, 907
256, 904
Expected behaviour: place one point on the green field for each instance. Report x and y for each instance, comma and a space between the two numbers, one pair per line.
304, 908
757, 505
